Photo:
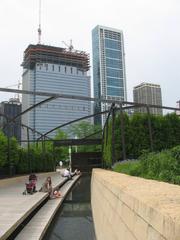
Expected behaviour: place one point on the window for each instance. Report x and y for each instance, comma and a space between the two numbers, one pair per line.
52, 67
65, 69
114, 63
112, 91
59, 68
46, 66
71, 70
116, 82
113, 54
114, 73
109, 43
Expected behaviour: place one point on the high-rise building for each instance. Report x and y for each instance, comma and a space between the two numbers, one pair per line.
54, 70
11, 108
109, 75
148, 93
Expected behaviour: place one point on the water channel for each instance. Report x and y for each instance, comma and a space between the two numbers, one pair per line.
74, 218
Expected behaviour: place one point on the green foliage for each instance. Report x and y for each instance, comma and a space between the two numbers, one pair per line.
81, 130
163, 166
61, 153
130, 168
3, 150
165, 135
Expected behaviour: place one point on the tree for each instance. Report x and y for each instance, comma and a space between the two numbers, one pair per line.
61, 153
3, 149
83, 129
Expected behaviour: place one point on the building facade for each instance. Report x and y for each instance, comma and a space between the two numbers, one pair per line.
11, 108
109, 75
54, 70
148, 93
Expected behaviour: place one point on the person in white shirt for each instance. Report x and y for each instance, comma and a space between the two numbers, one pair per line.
67, 173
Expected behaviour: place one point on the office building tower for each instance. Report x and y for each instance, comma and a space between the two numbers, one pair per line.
11, 108
109, 75
54, 70
148, 93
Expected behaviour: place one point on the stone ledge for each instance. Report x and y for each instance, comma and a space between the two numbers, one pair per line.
146, 207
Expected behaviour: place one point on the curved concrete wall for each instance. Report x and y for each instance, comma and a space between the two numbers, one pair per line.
131, 208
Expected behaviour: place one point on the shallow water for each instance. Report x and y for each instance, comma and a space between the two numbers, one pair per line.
74, 219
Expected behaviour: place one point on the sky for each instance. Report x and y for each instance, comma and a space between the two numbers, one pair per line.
151, 37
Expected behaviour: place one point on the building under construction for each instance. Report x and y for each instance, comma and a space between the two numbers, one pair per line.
57, 70
48, 54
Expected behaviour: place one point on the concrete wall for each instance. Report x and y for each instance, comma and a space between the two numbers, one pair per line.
131, 208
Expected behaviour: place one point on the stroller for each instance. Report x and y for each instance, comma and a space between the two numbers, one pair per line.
31, 186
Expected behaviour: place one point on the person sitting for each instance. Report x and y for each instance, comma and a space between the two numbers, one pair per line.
56, 194
67, 173
77, 172
47, 186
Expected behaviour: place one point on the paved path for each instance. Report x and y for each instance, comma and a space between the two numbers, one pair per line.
15, 207
38, 225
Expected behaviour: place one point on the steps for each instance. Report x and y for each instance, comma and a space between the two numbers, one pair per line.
38, 225
15, 208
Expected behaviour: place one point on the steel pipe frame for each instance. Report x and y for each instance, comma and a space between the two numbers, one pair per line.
56, 95
106, 123
30, 108
73, 121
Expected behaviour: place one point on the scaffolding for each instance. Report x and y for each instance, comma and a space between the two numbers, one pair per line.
48, 54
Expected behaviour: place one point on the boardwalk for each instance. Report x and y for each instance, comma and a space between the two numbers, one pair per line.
15, 207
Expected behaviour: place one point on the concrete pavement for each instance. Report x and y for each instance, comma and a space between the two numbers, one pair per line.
15, 207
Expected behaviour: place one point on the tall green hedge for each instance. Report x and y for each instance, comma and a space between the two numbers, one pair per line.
36, 160
165, 135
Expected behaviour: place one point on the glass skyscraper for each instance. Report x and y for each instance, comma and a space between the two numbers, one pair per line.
109, 75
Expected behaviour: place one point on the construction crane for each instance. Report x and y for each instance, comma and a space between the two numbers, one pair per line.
70, 46
39, 28
18, 85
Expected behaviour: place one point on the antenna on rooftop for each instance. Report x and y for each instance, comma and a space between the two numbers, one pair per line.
39, 28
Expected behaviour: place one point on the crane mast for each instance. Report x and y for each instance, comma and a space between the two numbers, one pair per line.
39, 28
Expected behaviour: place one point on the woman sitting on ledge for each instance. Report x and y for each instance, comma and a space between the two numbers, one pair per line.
47, 187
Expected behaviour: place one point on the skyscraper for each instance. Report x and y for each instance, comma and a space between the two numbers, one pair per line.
55, 70
11, 108
109, 75
148, 93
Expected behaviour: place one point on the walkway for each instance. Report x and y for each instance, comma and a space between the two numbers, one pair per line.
15, 207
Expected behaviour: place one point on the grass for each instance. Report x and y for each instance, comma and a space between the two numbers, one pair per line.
162, 166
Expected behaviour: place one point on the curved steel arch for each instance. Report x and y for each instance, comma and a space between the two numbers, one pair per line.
29, 109
73, 121
22, 125
59, 95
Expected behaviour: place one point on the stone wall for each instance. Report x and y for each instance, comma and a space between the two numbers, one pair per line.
131, 208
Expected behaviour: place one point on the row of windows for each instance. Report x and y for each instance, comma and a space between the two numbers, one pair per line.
113, 54
112, 34
52, 106
114, 63
114, 73
117, 82
112, 44
115, 91
63, 69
